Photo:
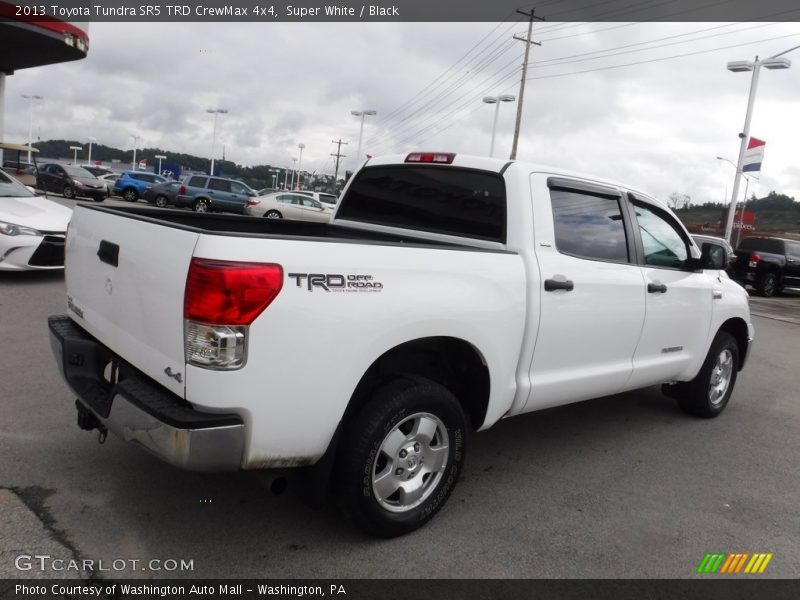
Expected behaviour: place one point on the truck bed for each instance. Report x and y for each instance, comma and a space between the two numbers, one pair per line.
246, 226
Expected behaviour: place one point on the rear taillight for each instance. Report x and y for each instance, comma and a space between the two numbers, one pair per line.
431, 157
753, 261
253, 202
221, 300
182, 190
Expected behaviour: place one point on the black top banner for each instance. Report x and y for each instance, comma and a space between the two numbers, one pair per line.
401, 10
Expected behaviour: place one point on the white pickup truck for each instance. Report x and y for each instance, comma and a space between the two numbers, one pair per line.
448, 292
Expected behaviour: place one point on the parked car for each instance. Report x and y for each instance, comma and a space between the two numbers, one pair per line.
721, 254
162, 194
14, 165
328, 199
285, 205
448, 293
110, 180
132, 184
265, 191
202, 193
70, 181
98, 171
768, 264
32, 229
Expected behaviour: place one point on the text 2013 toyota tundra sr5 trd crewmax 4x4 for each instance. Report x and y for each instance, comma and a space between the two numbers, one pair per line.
448, 292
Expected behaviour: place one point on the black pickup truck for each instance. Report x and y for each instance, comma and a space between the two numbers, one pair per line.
769, 264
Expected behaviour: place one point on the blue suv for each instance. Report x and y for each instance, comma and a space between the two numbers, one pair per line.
132, 184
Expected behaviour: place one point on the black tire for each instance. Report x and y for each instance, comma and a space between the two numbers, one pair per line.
130, 195
705, 395
68, 192
381, 447
99, 198
273, 214
767, 284
161, 201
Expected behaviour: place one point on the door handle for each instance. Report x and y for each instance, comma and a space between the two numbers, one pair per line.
551, 285
656, 288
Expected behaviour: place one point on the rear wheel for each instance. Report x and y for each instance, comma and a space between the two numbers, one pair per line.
767, 284
130, 195
400, 456
273, 214
161, 201
201, 205
707, 394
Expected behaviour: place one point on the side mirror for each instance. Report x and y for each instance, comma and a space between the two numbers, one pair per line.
712, 256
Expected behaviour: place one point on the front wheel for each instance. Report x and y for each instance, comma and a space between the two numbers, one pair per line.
707, 394
400, 456
767, 285
68, 192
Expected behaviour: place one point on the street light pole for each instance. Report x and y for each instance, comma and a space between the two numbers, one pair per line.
89, 159
135, 143
216, 112
31, 98
294, 162
300, 163
773, 62
496, 100
160, 157
362, 114
75, 153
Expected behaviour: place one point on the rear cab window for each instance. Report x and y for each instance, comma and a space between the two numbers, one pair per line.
447, 200
769, 245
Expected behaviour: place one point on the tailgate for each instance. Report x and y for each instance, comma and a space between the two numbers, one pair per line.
125, 283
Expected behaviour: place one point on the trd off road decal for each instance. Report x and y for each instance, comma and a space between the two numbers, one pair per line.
334, 282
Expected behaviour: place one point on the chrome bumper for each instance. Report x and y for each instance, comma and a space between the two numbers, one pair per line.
140, 411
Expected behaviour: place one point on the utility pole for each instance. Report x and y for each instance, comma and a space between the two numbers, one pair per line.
528, 41
338, 156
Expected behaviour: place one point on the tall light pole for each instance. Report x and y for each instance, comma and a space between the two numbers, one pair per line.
89, 158
31, 98
216, 112
363, 114
496, 100
274, 178
136, 139
160, 157
300, 163
294, 162
75, 153
773, 62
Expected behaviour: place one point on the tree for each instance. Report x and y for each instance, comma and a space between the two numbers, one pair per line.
678, 201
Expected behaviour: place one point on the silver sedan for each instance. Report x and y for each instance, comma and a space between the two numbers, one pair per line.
286, 205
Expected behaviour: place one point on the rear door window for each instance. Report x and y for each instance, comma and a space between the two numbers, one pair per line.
221, 185
437, 199
589, 226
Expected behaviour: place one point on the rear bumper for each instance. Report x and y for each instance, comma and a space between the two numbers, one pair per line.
139, 410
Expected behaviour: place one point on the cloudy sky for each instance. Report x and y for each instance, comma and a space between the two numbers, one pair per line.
658, 124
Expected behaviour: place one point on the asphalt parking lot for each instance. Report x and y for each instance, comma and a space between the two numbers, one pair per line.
625, 486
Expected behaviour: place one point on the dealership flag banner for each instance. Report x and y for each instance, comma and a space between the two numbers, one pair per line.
753, 156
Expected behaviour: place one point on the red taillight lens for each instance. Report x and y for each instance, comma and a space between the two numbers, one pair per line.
220, 292
253, 202
182, 189
752, 262
431, 157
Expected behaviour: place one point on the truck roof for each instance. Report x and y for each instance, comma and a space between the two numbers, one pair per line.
499, 165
